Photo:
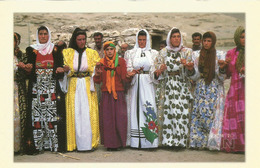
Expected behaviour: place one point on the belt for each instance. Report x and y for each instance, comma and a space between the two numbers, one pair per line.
174, 73
81, 74
144, 72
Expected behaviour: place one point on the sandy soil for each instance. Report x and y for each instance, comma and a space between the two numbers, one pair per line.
135, 155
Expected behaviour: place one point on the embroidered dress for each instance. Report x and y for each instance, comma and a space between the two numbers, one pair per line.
19, 101
81, 101
17, 128
174, 98
141, 104
44, 113
208, 107
233, 130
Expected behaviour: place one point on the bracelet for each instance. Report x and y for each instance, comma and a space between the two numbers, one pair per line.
223, 70
191, 73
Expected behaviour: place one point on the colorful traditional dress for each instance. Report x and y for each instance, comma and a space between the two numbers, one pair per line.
46, 118
81, 101
208, 107
114, 118
175, 98
19, 101
141, 104
233, 131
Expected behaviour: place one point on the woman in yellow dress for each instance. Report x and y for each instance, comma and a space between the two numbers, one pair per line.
81, 98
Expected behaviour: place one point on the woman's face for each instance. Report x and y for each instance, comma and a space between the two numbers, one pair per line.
207, 43
15, 43
175, 39
81, 41
142, 41
242, 39
43, 36
110, 51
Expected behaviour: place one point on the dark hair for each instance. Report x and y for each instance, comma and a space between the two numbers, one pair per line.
196, 34
42, 28
163, 42
98, 34
207, 35
77, 31
142, 33
18, 39
175, 31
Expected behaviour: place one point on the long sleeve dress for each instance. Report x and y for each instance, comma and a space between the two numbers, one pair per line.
208, 107
114, 111
233, 130
141, 104
20, 102
81, 101
46, 120
173, 98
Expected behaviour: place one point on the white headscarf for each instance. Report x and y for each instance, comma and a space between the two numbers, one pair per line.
45, 48
148, 43
168, 42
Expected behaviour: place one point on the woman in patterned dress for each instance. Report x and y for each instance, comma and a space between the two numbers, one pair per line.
46, 120
207, 114
173, 94
19, 95
233, 130
81, 98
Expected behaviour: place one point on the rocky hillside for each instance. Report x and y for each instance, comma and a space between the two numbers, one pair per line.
122, 27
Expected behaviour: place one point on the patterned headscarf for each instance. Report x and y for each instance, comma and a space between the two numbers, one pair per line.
207, 59
110, 66
43, 48
240, 62
169, 44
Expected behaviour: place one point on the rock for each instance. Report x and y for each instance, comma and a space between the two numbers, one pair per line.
114, 34
130, 32
130, 40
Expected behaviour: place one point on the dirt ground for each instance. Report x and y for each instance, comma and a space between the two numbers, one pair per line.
101, 155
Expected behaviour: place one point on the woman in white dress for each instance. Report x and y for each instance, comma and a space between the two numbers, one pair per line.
141, 104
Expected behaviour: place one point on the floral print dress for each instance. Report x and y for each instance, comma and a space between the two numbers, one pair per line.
208, 107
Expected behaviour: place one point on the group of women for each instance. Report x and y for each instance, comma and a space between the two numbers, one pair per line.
61, 112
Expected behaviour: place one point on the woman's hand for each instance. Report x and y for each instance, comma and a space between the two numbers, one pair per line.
60, 70
131, 73
227, 61
221, 64
66, 68
190, 66
98, 70
242, 70
183, 62
28, 68
163, 67
21, 65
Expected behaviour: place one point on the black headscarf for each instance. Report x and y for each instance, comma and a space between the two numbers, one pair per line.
73, 43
